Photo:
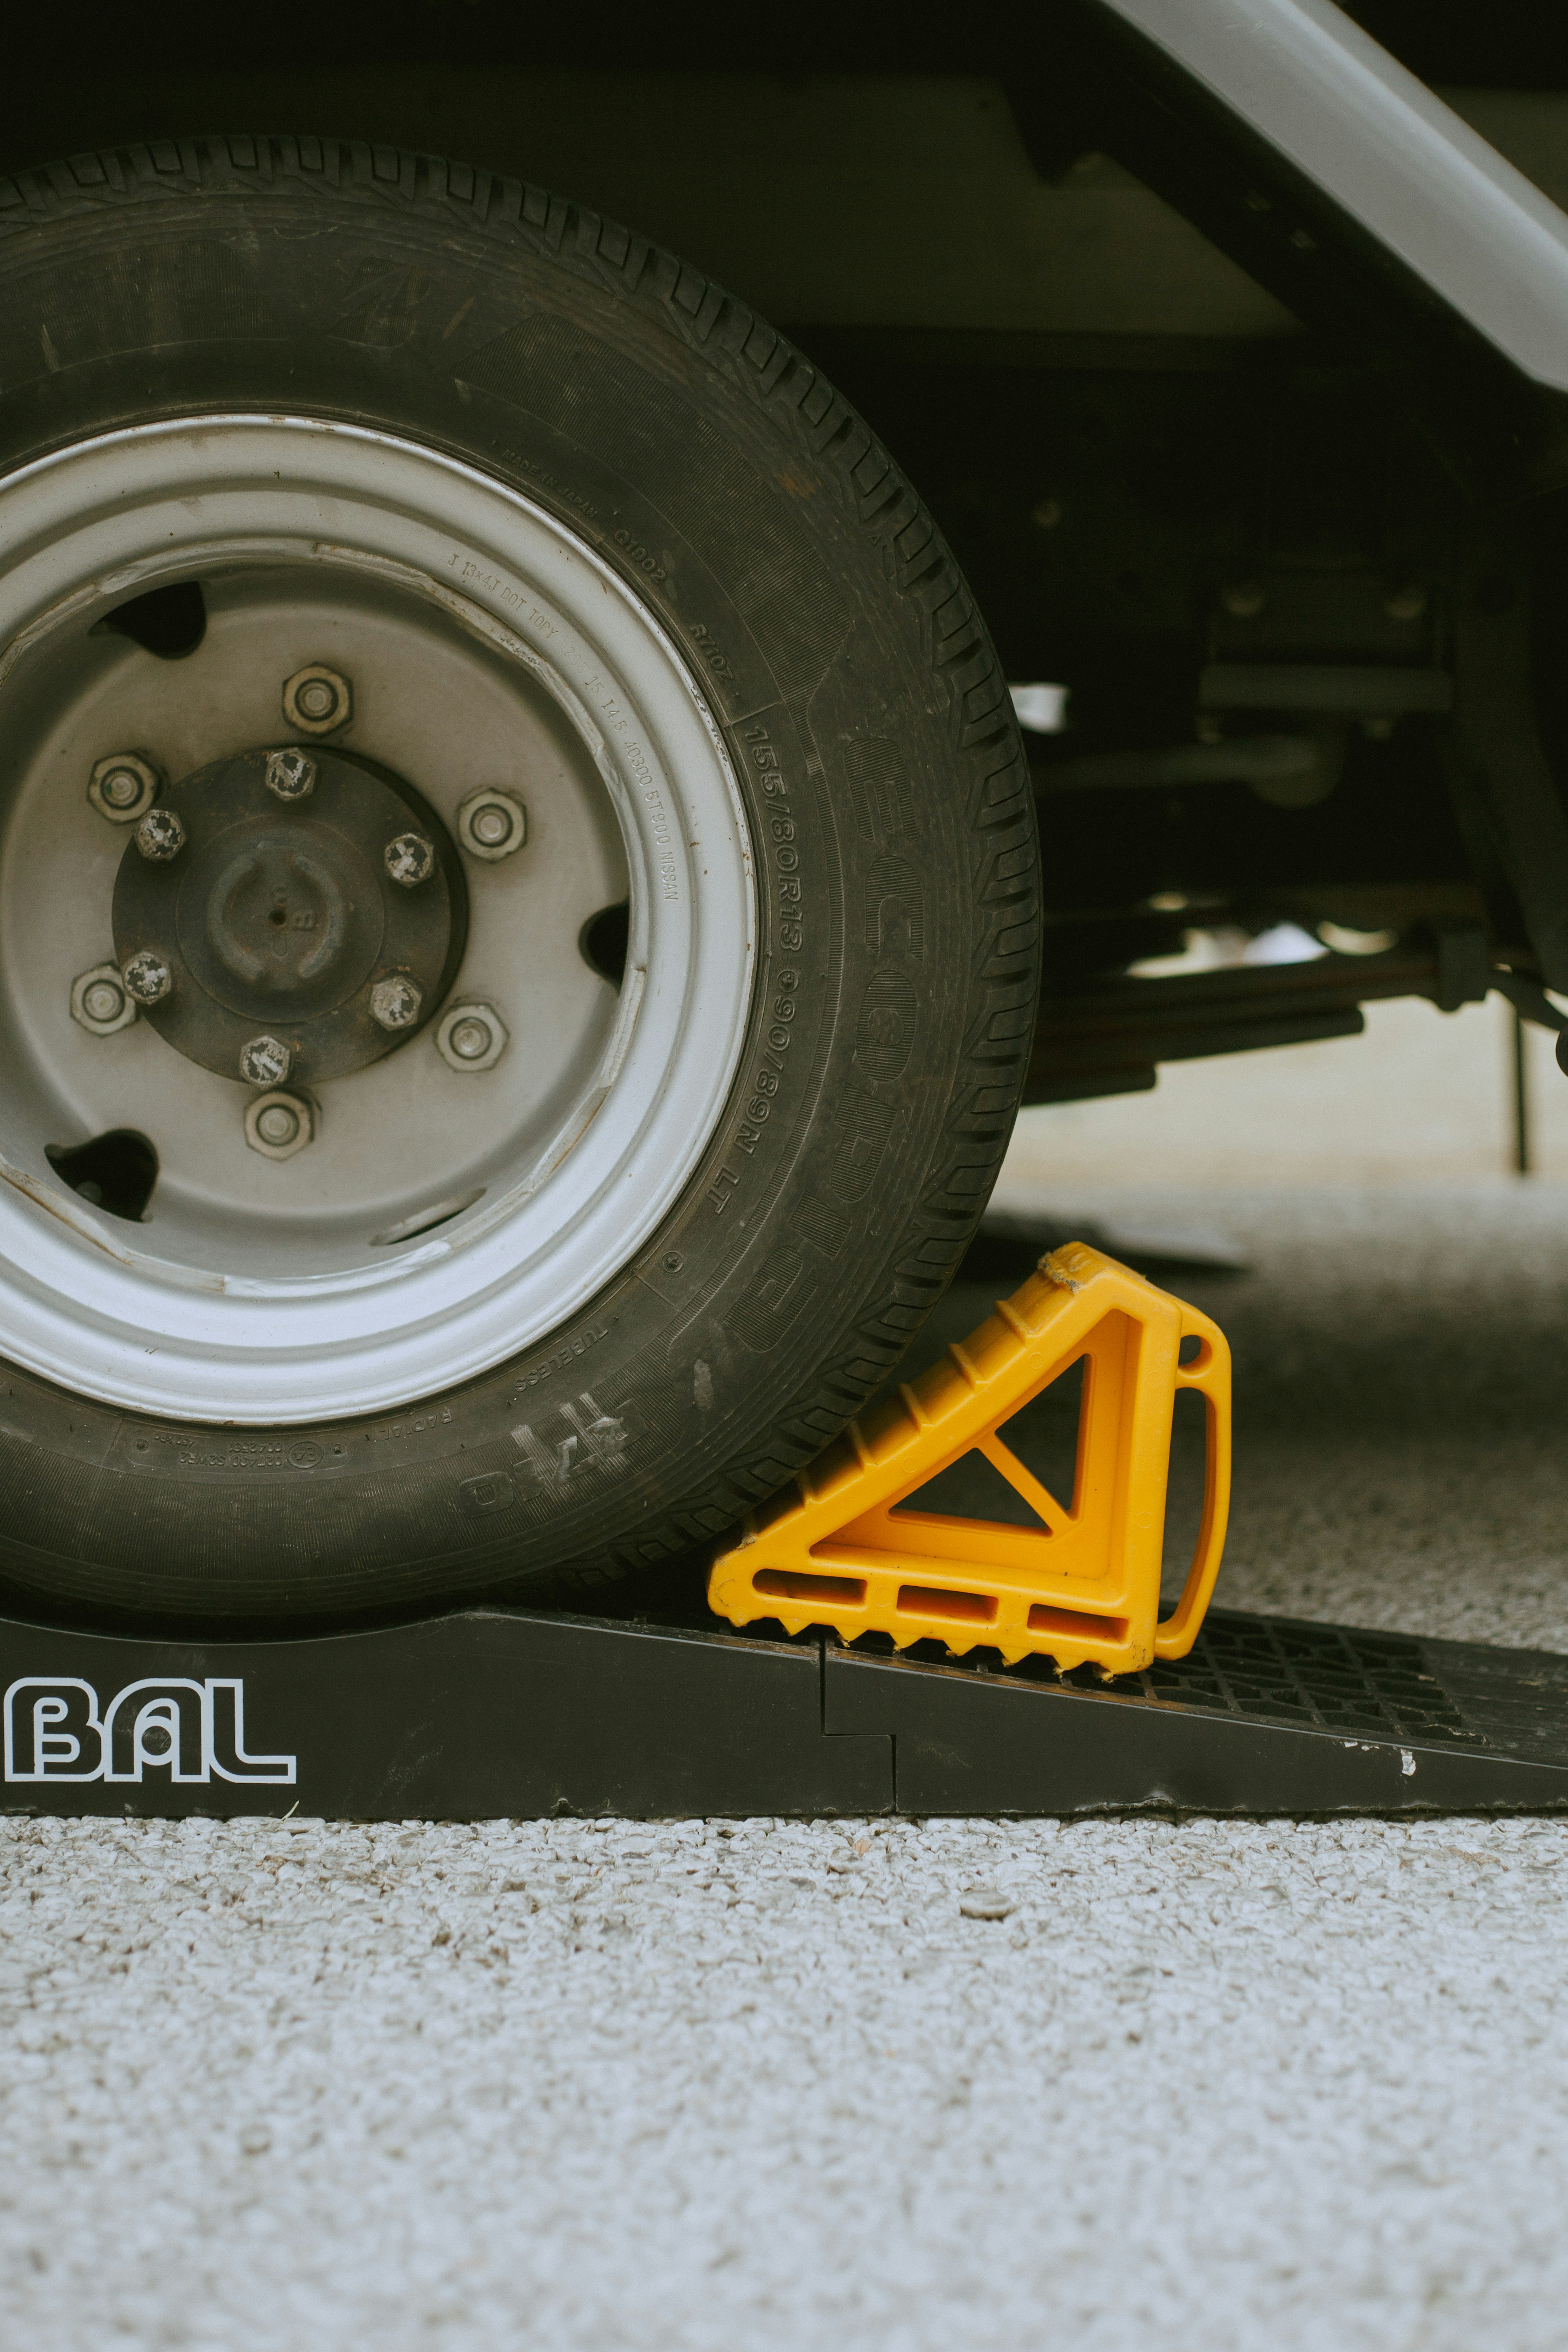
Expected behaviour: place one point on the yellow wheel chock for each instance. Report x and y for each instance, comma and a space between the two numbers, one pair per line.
1085, 1587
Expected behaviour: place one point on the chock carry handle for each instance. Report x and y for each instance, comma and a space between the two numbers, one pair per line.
1209, 1373
1083, 1585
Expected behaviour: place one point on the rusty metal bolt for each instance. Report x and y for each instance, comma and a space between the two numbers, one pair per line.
317, 699
160, 836
410, 859
123, 787
147, 977
100, 1002
265, 1061
279, 1125
394, 1003
290, 774
491, 825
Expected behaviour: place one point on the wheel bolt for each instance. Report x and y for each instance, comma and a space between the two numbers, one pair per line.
491, 825
410, 859
472, 1037
317, 699
394, 1003
102, 1002
290, 774
160, 836
265, 1061
279, 1125
147, 977
123, 786
99, 1002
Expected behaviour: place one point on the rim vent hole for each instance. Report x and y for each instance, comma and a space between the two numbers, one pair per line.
168, 622
115, 1172
602, 941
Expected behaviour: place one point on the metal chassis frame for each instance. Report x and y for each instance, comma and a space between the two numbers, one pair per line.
1356, 156
1304, 77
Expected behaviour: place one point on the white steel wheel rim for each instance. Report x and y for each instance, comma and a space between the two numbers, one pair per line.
284, 1316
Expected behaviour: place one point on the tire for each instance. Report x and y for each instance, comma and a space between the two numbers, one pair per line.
693, 465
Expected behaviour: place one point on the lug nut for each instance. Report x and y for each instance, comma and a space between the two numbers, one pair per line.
100, 1002
491, 825
317, 699
472, 1037
124, 786
410, 859
279, 1125
160, 836
394, 1003
147, 977
265, 1061
290, 774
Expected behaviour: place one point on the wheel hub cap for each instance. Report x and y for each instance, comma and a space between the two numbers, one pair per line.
288, 915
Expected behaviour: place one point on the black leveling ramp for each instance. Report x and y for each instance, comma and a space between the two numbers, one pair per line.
524, 1713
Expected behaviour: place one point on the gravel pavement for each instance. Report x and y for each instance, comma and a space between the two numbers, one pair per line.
909, 2087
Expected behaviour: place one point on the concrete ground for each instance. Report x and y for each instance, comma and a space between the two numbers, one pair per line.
910, 2086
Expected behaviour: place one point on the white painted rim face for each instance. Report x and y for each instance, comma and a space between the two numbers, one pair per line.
489, 649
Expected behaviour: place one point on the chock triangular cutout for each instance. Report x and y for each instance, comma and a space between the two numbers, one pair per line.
849, 1546
973, 1487
1046, 1433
